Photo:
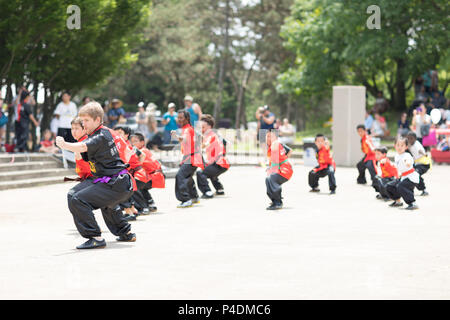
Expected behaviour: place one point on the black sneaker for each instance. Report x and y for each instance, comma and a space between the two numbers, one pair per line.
93, 244
361, 182
208, 195
130, 237
275, 206
152, 208
396, 204
130, 217
412, 206
379, 197
220, 193
145, 212
424, 193
333, 192
314, 190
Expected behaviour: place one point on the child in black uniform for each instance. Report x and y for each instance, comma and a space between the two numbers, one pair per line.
110, 184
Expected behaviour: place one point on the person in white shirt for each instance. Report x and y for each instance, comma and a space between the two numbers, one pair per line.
420, 121
422, 161
409, 178
65, 111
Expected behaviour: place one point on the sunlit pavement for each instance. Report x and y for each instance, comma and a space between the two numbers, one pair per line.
344, 246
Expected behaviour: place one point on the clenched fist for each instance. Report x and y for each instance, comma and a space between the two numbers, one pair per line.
60, 142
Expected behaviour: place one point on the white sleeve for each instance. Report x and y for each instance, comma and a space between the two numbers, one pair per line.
57, 110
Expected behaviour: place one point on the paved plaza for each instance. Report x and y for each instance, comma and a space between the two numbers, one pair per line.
346, 246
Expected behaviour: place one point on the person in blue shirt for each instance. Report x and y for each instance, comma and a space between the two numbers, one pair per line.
368, 122
193, 108
170, 122
115, 112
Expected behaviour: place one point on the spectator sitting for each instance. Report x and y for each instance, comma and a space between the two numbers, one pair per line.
379, 127
287, 132
438, 100
403, 125
368, 122
444, 144
47, 144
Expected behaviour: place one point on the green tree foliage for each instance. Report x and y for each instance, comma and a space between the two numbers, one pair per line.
333, 45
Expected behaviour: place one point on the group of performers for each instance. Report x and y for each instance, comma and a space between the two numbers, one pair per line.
116, 171
394, 181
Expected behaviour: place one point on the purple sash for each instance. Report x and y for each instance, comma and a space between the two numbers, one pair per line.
106, 179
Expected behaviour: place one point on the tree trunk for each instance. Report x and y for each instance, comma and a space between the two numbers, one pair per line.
223, 62
400, 92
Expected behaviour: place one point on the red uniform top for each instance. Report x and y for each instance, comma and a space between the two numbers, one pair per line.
388, 169
153, 169
324, 159
278, 160
82, 168
368, 148
190, 149
215, 150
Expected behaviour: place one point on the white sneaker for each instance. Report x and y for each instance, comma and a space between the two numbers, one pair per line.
185, 204
209, 194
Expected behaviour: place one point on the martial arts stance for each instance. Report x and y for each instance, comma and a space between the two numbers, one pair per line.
368, 162
388, 171
409, 178
217, 162
326, 166
422, 162
153, 169
82, 167
111, 183
279, 171
185, 189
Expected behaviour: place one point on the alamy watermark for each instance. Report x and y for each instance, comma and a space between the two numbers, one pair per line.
374, 21
74, 20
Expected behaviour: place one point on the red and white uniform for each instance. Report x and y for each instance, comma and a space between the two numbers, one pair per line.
278, 160
153, 169
189, 149
82, 168
388, 170
368, 148
215, 150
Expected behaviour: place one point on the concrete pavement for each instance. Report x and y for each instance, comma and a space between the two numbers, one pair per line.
346, 246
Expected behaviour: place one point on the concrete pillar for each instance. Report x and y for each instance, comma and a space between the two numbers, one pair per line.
349, 109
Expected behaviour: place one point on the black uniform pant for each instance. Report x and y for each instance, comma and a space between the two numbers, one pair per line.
88, 196
313, 178
397, 189
362, 166
22, 130
211, 172
421, 169
184, 183
380, 185
143, 189
273, 185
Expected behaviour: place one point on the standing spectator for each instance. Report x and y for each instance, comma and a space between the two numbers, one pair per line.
267, 122
151, 122
368, 122
418, 84
287, 132
193, 108
3, 122
142, 120
403, 125
170, 122
381, 104
65, 111
22, 116
427, 82
54, 126
434, 81
115, 113
421, 122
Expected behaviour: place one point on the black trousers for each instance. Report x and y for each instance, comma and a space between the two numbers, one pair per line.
313, 178
380, 185
143, 189
184, 183
211, 172
397, 189
87, 196
66, 134
421, 169
273, 185
22, 131
362, 166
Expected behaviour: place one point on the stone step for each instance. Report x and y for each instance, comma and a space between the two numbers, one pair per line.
5, 185
32, 174
24, 157
33, 165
